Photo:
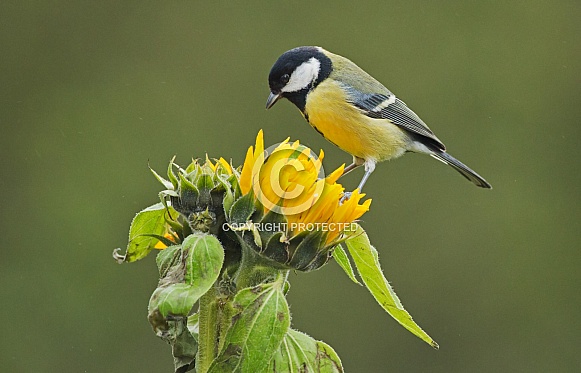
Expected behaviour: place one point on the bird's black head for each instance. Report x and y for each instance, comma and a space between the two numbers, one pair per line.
295, 73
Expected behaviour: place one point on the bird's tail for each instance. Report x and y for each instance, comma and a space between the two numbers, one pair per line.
461, 168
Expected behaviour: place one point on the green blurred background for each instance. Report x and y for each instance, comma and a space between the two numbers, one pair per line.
91, 92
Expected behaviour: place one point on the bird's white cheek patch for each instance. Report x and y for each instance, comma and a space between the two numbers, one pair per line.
305, 74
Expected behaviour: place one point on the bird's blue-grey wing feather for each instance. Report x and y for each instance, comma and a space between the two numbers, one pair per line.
387, 106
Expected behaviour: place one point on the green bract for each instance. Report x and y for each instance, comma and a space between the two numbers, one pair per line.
263, 233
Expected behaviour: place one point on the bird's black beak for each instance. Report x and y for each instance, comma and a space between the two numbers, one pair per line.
272, 99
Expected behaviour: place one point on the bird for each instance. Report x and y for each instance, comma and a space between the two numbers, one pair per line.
354, 111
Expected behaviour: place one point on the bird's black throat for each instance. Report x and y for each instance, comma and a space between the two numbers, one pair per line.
298, 98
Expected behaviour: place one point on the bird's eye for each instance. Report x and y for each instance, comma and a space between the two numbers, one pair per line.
285, 78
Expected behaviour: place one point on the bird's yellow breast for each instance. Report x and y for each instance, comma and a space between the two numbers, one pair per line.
343, 124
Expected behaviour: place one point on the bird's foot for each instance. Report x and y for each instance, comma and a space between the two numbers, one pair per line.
345, 197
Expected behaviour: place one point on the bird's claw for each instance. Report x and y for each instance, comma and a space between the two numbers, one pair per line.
345, 197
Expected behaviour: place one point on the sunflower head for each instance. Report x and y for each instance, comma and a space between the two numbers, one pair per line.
290, 212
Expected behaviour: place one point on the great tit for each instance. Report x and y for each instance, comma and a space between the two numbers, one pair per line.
354, 111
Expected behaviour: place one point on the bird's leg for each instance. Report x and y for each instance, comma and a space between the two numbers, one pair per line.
356, 163
369, 168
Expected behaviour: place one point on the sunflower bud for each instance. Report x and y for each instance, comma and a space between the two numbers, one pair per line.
201, 192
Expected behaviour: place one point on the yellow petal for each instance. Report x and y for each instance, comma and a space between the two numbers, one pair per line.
246, 174
335, 175
252, 155
225, 165
259, 146
160, 245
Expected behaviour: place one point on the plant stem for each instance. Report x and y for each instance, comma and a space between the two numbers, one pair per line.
208, 337
225, 313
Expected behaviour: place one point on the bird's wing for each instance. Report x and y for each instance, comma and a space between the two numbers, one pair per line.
387, 106
376, 101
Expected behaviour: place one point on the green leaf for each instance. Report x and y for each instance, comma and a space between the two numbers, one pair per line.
343, 260
145, 226
192, 275
329, 360
165, 196
257, 330
175, 299
183, 348
204, 256
301, 353
367, 262
178, 230
162, 239
167, 258
176, 332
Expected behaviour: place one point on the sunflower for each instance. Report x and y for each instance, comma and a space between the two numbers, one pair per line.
288, 180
